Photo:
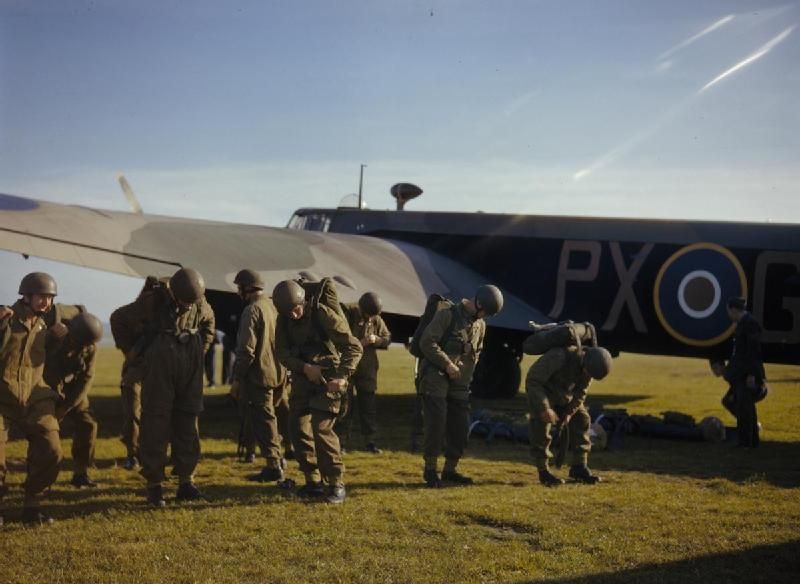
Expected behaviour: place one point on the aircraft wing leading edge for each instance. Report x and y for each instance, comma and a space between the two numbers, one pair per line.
138, 245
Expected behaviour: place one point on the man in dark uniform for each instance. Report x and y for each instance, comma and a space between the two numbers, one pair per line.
452, 344
177, 327
745, 373
126, 329
556, 386
366, 324
69, 370
258, 376
314, 342
25, 399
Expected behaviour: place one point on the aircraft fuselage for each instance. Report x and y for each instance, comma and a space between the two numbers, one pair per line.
650, 286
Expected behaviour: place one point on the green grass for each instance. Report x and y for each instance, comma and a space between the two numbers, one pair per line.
666, 511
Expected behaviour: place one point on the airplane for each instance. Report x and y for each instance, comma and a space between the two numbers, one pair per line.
650, 286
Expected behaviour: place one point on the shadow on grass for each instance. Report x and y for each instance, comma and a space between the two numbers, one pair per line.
773, 462
767, 563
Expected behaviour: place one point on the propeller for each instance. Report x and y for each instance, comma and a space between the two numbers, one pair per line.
129, 194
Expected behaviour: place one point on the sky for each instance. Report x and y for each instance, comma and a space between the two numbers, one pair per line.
243, 111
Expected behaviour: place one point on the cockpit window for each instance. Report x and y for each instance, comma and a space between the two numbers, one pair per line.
310, 221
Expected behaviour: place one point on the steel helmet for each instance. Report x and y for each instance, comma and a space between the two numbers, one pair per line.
286, 295
85, 329
597, 362
249, 279
489, 299
370, 304
187, 285
38, 283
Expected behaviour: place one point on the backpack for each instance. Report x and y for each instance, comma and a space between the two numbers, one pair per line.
319, 293
559, 334
434, 304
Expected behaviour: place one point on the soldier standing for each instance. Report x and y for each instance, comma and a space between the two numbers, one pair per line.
366, 325
127, 332
451, 345
25, 399
258, 376
556, 386
745, 372
177, 327
69, 369
314, 342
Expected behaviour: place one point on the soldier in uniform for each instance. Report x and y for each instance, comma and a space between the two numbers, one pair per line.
258, 376
315, 344
25, 399
175, 327
556, 386
451, 345
125, 327
69, 369
126, 330
744, 372
366, 325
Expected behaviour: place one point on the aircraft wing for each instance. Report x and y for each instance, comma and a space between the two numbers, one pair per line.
135, 244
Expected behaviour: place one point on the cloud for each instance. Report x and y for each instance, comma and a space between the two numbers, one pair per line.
696, 37
766, 48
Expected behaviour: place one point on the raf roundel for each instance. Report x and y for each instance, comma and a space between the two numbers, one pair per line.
691, 291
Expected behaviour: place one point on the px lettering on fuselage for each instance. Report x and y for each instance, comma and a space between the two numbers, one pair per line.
686, 287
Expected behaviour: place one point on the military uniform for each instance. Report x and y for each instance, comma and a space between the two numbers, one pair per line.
364, 383
280, 400
455, 337
329, 344
26, 401
745, 361
557, 381
173, 342
70, 372
126, 329
261, 378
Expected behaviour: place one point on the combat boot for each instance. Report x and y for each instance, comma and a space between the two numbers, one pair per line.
82, 480
131, 463
548, 479
581, 473
453, 476
336, 495
431, 478
155, 496
34, 516
267, 475
372, 448
188, 492
311, 490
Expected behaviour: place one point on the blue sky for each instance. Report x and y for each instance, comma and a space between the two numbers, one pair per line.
243, 111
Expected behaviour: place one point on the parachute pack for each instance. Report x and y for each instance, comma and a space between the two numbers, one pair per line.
559, 334
435, 303
322, 293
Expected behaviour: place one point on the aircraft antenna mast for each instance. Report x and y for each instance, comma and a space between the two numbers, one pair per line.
360, 186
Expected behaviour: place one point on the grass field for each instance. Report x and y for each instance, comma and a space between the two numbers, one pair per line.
666, 511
